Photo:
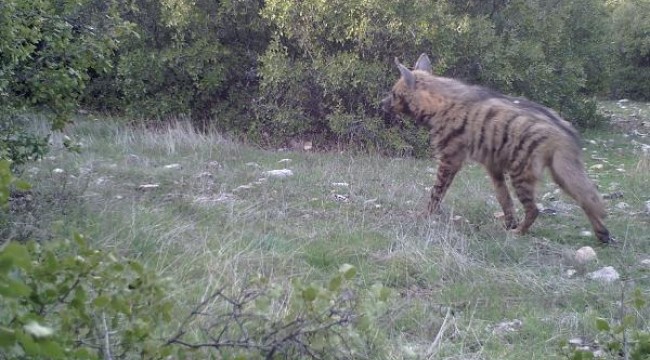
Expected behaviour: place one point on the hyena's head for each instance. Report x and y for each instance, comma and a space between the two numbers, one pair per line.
397, 102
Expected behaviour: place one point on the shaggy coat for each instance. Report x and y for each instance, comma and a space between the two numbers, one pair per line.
507, 135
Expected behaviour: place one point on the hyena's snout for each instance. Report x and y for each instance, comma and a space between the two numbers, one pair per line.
386, 104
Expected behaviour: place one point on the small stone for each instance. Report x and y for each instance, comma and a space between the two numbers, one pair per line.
621, 170
499, 215
284, 161
570, 273
146, 187
172, 166
58, 171
585, 233
340, 198
647, 207
507, 327
597, 167
645, 263
585, 254
622, 205
281, 173
576, 341
607, 274
458, 219
253, 164
340, 184
308, 146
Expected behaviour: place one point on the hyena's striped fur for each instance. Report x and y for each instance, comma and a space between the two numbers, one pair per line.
506, 135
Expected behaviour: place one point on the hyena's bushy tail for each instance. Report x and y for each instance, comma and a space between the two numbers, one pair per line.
568, 171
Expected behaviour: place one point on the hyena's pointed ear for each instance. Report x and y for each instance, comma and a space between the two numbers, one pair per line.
406, 74
423, 63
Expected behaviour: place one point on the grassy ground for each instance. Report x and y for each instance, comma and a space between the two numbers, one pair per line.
212, 220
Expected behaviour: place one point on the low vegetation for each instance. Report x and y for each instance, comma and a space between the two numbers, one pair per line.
200, 211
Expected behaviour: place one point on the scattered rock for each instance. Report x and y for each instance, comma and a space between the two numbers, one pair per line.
243, 187
219, 198
147, 187
597, 167
507, 327
58, 171
281, 173
585, 254
499, 215
645, 263
622, 206
340, 198
308, 146
214, 164
647, 207
570, 273
172, 166
253, 164
459, 219
340, 184
561, 206
284, 161
607, 274
585, 233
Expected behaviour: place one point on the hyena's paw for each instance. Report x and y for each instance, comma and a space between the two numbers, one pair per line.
511, 224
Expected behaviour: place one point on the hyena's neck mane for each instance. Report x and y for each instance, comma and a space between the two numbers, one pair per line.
443, 93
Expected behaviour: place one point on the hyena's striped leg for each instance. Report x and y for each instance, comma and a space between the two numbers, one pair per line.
524, 185
447, 169
503, 196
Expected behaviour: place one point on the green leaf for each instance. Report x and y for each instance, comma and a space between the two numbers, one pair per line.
348, 271
335, 283
602, 324
18, 254
309, 294
101, 301
7, 337
13, 288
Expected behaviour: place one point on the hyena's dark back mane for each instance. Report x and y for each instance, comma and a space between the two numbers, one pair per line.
471, 94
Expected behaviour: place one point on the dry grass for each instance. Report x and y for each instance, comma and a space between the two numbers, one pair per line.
454, 277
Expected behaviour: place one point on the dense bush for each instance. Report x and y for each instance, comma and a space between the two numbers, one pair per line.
277, 69
631, 23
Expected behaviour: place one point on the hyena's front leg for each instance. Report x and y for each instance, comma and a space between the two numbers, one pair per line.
503, 196
447, 170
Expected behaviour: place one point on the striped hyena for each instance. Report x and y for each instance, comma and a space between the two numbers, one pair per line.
506, 135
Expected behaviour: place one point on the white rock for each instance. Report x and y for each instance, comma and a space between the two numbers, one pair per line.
172, 166
308, 146
58, 171
607, 274
585, 254
253, 164
570, 273
341, 198
597, 167
585, 233
281, 173
647, 206
283, 161
622, 205
145, 187
645, 263
507, 327
340, 184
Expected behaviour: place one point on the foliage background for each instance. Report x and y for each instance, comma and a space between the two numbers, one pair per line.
278, 70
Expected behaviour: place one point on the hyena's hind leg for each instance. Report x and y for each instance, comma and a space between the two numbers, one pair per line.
447, 169
503, 196
524, 184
